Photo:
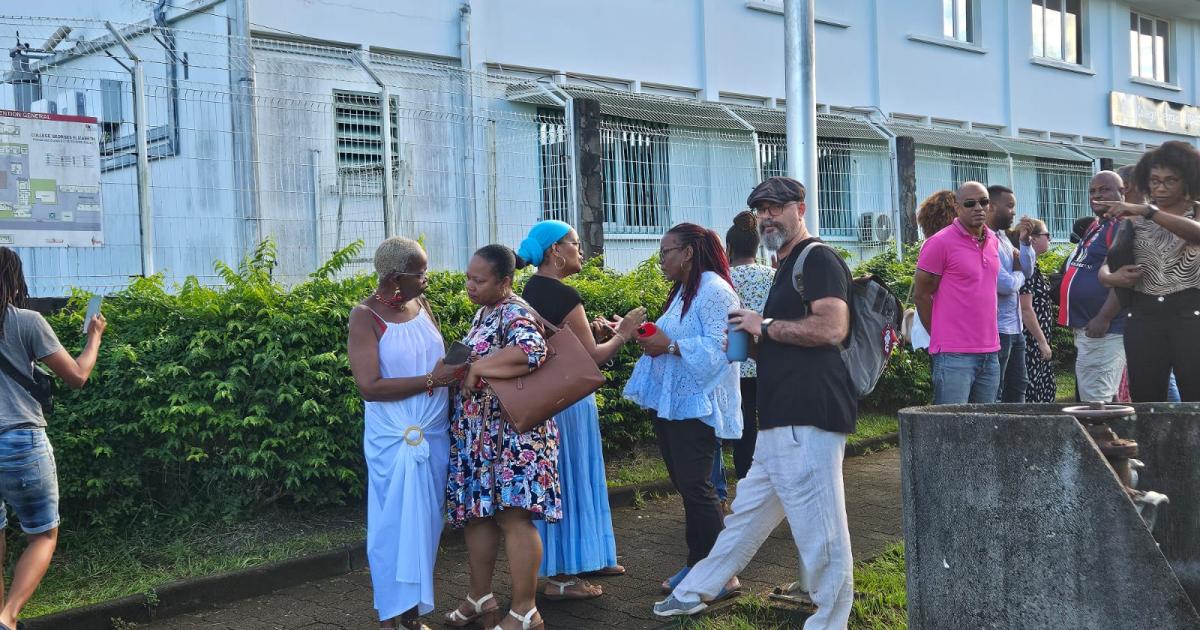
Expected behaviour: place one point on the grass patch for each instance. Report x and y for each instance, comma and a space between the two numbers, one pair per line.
1064, 386
880, 603
873, 425
90, 568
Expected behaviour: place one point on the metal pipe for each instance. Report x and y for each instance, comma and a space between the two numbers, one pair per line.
314, 161
894, 179
799, 26
385, 126
572, 174
464, 51
145, 208
244, 123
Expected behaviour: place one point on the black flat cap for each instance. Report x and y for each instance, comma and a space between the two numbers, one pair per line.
777, 190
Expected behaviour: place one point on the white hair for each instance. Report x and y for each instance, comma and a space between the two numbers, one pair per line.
396, 255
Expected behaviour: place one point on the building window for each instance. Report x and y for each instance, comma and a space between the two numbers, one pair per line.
1058, 30
772, 154
359, 133
635, 196
552, 162
958, 20
835, 180
1150, 47
968, 166
1062, 194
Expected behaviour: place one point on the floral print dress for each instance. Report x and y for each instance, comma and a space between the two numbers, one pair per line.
492, 467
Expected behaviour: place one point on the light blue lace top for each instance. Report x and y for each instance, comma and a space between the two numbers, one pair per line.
700, 383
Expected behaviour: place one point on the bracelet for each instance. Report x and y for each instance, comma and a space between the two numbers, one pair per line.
429, 384
624, 339
1150, 212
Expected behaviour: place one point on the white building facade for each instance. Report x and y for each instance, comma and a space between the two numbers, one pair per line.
264, 117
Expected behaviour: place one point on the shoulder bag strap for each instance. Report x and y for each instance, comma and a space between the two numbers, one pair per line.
11, 370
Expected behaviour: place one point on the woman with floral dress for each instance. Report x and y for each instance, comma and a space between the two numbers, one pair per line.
500, 480
1037, 313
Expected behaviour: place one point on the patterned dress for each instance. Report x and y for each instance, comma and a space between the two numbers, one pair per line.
492, 467
1041, 387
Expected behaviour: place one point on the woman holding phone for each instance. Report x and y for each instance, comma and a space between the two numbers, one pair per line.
396, 355
25, 338
583, 541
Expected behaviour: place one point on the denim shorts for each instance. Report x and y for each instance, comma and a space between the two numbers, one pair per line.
28, 480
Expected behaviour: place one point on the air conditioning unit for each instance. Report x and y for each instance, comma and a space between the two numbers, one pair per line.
874, 227
72, 103
883, 227
44, 106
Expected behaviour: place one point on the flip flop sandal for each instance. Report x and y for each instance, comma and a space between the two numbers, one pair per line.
562, 591
673, 581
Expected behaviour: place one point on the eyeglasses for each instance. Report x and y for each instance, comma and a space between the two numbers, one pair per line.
663, 252
418, 276
971, 203
575, 243
1037, 234
772, 208
1166, 182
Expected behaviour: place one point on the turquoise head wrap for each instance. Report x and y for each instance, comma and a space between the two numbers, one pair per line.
541, 237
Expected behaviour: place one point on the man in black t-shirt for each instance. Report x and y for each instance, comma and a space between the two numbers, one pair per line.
806, 408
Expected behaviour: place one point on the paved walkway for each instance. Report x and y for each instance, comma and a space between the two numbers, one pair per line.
649, 539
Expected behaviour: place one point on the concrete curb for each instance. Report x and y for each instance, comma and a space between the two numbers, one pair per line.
192, 594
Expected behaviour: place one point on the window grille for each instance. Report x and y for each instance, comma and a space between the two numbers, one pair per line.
552, 164
772, 154
359, 134
636, 197
1062, 195
968, 166
835, 175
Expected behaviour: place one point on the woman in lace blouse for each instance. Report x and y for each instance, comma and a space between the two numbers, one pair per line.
686, 379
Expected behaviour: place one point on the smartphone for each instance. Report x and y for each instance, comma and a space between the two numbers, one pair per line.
458, 353
93, 309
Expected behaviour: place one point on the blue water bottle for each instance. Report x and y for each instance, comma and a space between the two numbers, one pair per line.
738, 347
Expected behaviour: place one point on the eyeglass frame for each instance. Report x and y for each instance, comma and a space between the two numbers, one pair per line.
758, 211
982, 202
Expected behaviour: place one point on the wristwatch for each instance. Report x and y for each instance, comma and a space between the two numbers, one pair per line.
672, 348
1151, 210
766, 323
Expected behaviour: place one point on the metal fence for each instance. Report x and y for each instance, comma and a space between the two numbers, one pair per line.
319, 146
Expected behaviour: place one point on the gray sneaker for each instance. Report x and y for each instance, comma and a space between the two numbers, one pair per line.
672, 607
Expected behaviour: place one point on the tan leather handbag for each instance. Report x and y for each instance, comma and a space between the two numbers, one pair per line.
566, 376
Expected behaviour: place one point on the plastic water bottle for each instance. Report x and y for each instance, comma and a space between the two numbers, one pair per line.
738, 346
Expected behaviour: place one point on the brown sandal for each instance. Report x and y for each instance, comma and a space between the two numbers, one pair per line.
615, 570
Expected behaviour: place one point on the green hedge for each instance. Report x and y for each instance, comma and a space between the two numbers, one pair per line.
210, 402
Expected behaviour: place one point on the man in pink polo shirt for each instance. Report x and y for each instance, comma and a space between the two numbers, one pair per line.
955, 290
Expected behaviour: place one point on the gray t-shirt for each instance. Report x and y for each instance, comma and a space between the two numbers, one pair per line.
27, 337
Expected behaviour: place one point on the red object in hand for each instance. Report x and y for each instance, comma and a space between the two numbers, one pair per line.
647, 330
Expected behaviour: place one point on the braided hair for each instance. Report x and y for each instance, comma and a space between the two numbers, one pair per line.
742, 239
707, 255
13, 290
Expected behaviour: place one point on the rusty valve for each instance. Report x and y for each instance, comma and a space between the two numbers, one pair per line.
1119, 453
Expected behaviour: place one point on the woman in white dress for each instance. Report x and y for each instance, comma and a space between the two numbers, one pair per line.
396, 355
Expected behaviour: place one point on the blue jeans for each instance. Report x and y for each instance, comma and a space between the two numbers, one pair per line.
960, 378
1013, 378
28, 480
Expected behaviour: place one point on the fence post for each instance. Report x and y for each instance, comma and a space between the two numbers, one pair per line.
906, 174
585, 127
385, 127
145, 207
314, 158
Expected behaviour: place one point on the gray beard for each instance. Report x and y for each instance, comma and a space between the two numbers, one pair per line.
776, 239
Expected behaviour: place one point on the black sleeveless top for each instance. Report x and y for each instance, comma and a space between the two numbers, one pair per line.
800, 385
552, 299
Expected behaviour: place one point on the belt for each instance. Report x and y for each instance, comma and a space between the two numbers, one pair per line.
414, 441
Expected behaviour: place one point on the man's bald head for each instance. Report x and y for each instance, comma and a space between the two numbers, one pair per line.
1105, 186
971, 203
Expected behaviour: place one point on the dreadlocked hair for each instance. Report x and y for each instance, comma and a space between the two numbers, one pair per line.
742, 238
12, 284
707, 255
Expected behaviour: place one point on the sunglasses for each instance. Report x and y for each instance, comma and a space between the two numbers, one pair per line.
971, 203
